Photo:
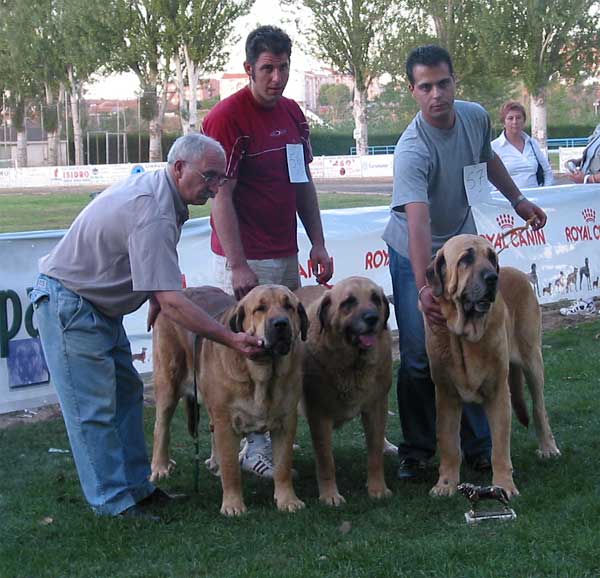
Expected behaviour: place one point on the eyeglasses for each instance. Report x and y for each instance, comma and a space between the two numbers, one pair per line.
209, 177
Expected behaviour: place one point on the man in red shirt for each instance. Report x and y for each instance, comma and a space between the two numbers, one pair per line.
266, 139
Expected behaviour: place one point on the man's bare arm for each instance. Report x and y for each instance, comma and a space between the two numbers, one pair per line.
419, 248
499, 177
176, 306
228, 230
307, 206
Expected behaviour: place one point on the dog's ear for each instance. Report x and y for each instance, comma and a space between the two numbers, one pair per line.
303, 321
323, 312
493, 259
435, 273
236, 323
386, 307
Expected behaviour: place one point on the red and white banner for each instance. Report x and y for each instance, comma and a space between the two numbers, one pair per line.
566, 255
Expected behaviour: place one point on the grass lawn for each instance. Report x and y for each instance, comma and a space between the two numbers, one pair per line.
46, 530
57, 211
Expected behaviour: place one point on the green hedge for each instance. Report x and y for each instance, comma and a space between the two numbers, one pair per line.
324, 142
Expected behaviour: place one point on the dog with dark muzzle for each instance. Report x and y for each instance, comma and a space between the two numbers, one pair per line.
490, 344
241, 395
347, 372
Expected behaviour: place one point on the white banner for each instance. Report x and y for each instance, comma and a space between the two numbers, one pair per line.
566, 255
72, 176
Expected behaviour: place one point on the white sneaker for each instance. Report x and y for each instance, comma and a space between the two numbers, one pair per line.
389, 449
257, 463
579, 307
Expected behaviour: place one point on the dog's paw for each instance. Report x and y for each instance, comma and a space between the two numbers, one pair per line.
509, 487
161, 470
213, 466
379, 492
443, 489
332, 499
233, 508
548, 451
291, 504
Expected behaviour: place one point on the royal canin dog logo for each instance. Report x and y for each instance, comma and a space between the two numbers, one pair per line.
589, 215
589, 231
504, 239
505, 221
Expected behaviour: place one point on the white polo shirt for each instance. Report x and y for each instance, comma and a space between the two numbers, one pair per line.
522, 166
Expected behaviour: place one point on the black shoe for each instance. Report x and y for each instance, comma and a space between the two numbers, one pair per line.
159, 498
138, 512
481, 464
411, 468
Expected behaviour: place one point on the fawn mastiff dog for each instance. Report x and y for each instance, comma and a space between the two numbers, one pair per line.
241, 395
347, 372
491, 341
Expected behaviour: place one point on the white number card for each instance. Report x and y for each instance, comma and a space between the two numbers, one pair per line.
295, 161
476, 183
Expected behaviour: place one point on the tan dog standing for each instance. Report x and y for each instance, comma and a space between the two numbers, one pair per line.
241, 395
347, 372
491, 337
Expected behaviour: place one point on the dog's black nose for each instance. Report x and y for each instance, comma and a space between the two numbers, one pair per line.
370, 318
490, 278
280, 323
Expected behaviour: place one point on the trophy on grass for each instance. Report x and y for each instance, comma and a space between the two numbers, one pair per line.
475, 494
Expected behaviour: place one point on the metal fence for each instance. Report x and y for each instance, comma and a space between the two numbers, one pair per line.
553, 143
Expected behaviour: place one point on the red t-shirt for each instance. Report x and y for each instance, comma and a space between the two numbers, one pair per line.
254, 139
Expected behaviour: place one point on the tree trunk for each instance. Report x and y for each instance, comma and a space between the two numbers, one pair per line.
155, 152
192, 73
77, 134
19, 120
22, 148
359, 110
183, 105
539, 128
52, 132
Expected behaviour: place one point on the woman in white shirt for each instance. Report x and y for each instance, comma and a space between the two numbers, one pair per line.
519, 152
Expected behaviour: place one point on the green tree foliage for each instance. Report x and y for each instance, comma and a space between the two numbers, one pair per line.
538, 40
354, 36
202, 29
336, 98
457, 27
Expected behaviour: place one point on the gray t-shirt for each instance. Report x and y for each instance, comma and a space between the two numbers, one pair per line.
122, 246
428, 168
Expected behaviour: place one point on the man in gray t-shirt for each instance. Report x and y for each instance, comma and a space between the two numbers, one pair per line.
118, 253
430, 205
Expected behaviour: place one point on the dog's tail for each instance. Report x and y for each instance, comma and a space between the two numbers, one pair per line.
516, 382
192, 411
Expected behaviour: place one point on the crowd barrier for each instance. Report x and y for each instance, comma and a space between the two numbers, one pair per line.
563, 261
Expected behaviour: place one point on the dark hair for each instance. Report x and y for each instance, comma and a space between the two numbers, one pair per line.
511, 105
429, 55
267, 39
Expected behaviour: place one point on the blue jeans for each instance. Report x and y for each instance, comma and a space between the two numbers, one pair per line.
100, 394
416, 391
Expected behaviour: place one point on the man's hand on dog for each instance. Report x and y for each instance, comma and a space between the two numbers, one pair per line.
430, 307
247, 345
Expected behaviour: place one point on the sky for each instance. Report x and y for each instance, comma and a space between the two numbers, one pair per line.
263, 12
